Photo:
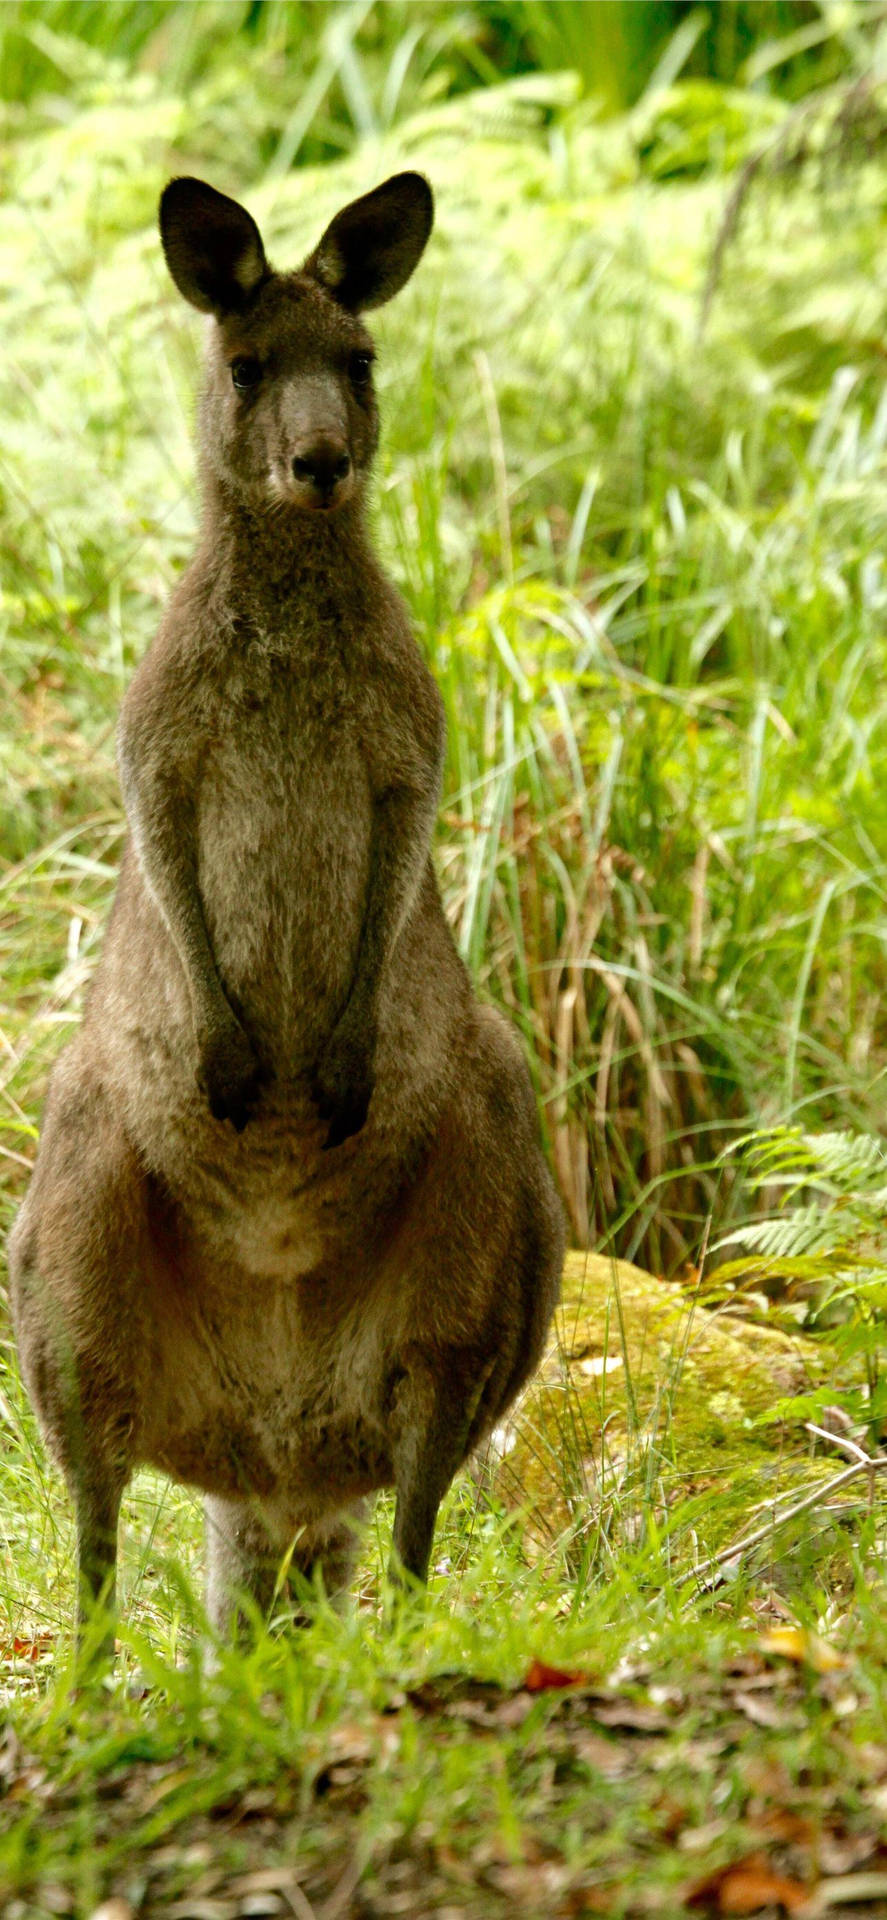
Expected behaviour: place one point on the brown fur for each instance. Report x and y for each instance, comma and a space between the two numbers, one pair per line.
290, 1235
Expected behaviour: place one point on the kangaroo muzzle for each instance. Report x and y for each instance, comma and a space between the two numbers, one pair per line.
322, 473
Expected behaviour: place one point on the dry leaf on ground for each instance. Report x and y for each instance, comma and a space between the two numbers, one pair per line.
12, 1651
748, 1886
540, 1678
808, 1649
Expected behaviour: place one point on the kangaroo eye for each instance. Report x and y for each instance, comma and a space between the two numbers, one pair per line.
360, 367
245, 374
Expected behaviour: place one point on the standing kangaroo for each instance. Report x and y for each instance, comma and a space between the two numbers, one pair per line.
290, 1235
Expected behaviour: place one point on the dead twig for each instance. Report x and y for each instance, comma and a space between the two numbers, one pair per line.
340, 1898
852, 1447
299, 1901
775, 1519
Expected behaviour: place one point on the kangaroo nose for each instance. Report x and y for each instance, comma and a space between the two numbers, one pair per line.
324, 463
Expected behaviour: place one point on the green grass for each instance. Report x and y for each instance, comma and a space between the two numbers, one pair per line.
407, 1756
644, 559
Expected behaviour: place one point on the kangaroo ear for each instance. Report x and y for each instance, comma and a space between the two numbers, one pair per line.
213, 247
369, 251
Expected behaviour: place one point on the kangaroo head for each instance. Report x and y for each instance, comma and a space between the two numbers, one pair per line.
289, 417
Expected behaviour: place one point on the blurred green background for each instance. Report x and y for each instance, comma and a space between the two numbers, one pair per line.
632, 484
381, 58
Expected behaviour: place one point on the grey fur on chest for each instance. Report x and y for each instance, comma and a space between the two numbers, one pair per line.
284, 826
295, 678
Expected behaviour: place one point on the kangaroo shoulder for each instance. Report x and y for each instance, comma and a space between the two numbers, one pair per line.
166, 709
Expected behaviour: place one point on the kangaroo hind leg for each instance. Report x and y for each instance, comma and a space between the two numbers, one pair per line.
76, 1262
435, 1411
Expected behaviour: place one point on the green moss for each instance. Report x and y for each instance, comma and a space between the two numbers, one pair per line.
650, 1411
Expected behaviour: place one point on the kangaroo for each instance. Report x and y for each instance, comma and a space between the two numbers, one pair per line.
290, 1236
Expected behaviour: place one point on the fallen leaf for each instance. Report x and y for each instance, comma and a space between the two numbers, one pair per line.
762, 1712
351, 1741
633, 1716
628, 1670
541, 1679
667, 1696
608, 1757
35, 1649
747, 1886
701, 1839
55, 1900
280, 1879
838, 1852
512, 1711
808, 1649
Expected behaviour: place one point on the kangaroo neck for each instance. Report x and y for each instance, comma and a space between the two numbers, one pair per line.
262, 555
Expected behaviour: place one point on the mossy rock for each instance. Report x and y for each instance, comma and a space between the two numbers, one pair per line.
649, 1405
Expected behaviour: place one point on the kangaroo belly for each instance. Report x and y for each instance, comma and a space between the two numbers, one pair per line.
275, 1391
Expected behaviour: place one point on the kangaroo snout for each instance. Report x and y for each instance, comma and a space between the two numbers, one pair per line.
322, 472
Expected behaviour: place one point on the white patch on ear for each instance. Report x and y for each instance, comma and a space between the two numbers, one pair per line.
329, 264
249, 267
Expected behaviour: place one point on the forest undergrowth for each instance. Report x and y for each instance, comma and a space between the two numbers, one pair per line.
633, 485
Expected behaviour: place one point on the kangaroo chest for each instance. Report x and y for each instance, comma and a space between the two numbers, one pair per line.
284, 836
